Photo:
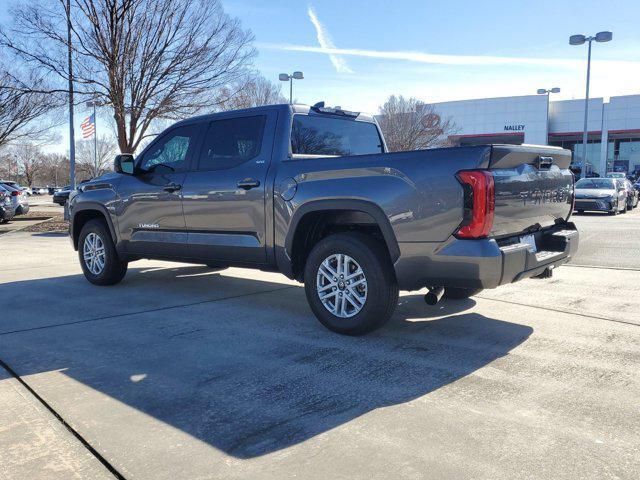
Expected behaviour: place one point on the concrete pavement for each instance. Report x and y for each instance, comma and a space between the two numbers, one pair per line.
180, 372
607, 240
33, 441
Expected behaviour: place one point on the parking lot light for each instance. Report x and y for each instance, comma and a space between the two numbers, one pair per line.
285, 77
547, 92
604, 36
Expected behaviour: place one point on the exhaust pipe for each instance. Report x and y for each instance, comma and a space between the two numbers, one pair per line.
547, 273
434, 295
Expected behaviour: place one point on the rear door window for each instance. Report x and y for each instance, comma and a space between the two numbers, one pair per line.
231, 142
317, 135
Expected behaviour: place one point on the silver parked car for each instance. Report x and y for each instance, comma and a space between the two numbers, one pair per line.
601, 195
19, 198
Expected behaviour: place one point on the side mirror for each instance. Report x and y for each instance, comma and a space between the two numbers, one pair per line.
124, 163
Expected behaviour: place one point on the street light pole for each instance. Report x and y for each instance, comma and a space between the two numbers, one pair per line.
285, 77
579, 40
548, 92
585, 132
72, 145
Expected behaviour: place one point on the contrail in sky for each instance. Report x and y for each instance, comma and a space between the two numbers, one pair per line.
324, 39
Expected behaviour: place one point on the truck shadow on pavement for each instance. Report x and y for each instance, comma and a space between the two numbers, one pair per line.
250, 373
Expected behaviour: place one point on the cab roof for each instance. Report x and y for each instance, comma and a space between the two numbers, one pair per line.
294, 109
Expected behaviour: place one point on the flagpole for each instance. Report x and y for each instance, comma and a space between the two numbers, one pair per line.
94, 104
95, 141
72, 145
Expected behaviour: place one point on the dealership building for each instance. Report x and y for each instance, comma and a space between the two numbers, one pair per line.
614, 127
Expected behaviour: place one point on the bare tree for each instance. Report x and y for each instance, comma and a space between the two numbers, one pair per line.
8, 166
55, 170
252, 91
23, 112
86, 165
409, 124
28, 162
147, 59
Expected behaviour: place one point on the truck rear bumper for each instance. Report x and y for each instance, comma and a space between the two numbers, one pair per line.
484, 263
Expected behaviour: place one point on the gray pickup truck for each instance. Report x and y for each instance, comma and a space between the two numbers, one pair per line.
311, 192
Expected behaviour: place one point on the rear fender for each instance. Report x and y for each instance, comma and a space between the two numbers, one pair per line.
284, 255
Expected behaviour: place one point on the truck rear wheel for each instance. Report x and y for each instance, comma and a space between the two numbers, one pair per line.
350, 283
453, 293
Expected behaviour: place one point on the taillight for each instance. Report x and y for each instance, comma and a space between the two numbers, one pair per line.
479, 203
15, 193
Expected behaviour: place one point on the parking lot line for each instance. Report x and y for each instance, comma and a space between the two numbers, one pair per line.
558, 310
152, 310
633, 269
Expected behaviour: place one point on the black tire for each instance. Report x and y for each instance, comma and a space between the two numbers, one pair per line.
382, 288
625, 208
114, 269
454, 293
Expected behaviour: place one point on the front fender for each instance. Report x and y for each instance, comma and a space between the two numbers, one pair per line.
99, 198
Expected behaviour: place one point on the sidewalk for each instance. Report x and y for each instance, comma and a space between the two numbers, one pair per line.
34, 444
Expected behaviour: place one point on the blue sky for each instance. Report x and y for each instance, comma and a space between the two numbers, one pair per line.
440, 51
355, 53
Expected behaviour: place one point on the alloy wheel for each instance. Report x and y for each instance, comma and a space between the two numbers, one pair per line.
341, 285
93, 252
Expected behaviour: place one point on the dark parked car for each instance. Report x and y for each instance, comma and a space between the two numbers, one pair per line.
311, 192
632, 194
62, 195
6, 207
601, 194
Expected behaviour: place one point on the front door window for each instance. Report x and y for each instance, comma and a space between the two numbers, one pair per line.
169, 153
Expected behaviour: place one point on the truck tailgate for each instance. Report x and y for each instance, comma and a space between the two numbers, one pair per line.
533, 187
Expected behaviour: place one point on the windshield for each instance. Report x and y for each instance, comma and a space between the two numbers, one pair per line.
585, 183
9, 187
317, 135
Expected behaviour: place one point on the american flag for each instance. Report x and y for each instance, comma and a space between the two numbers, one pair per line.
88, 127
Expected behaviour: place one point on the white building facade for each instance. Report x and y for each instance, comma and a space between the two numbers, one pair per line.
614, 127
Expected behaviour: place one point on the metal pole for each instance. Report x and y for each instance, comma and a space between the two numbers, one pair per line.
290, 90
548, 94
72, 146
585, 134
95, 142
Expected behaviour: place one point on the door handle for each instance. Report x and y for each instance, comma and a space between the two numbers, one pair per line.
172, 187
248, 183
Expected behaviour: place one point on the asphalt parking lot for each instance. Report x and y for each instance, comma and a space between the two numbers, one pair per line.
182, 372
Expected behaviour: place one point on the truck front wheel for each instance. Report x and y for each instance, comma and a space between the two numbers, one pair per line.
98, 257
350, 283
